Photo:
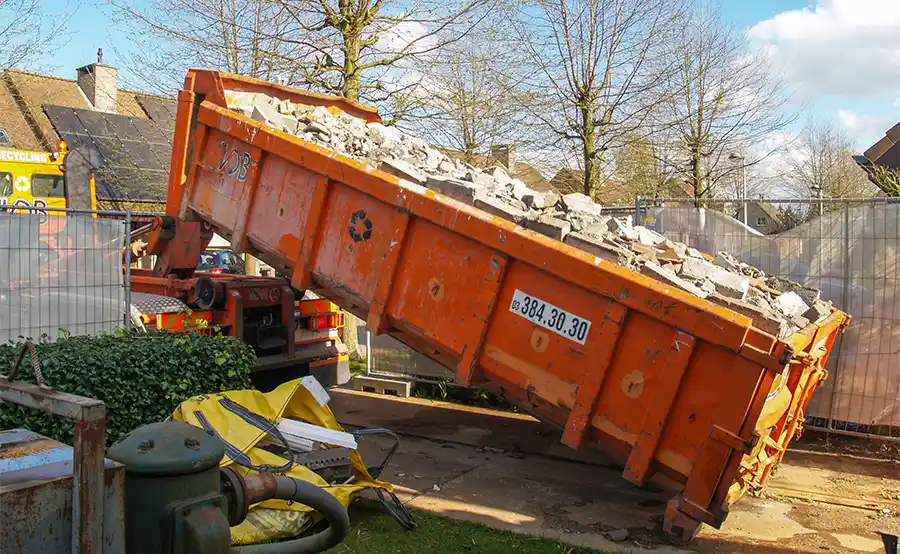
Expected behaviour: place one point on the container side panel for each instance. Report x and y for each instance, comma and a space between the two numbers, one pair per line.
356, 235
545, 335
444, 287
634, 373
220, 176
279, 216
694, 411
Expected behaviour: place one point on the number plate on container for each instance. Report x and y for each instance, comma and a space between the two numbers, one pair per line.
550, 317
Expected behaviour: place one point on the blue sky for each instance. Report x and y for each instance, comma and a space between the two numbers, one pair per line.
843, 62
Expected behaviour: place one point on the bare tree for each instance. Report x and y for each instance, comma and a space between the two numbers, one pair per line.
726, 103
247, 37
822, 162
600, 61
474, 95
369, 50
28, 31
641, 172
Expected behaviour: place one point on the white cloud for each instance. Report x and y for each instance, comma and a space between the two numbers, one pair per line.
864, 128
843, 47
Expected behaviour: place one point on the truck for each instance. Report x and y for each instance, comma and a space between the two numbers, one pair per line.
290, 336
675, 388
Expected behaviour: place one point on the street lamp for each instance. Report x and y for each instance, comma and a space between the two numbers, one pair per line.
738, 160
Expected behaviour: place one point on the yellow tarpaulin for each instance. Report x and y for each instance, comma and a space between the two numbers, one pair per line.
241, 419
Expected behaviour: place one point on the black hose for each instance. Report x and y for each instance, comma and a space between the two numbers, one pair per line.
316, 498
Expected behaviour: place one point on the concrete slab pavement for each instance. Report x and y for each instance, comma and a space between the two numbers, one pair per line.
508, 471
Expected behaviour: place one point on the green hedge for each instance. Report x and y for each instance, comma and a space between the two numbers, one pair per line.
140, 376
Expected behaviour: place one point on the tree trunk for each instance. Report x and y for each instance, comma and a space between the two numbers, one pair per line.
588, 144
697, 174
352, 72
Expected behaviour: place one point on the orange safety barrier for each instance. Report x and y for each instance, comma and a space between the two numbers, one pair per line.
672, 386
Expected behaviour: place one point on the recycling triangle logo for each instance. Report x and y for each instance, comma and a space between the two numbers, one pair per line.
360, 226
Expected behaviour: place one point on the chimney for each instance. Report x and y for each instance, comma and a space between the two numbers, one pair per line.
506, 155
98, 81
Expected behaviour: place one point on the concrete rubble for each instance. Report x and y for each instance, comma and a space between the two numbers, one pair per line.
776, 305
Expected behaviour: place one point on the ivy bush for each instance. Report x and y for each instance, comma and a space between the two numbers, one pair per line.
142, 377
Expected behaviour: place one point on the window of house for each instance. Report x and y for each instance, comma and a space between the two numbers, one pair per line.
4, 138
48, 186
6, 180
761, 222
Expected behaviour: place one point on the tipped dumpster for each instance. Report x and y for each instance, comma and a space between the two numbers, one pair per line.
676, 388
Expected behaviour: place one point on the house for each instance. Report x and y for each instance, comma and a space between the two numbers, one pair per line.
610, 192
762, 217
504, 156
885, 154
122, 137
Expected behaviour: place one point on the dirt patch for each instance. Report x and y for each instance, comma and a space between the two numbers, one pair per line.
817, 441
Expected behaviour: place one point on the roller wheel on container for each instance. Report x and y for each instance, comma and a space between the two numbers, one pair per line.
208, 293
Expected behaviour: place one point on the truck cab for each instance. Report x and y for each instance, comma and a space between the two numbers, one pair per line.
31, 180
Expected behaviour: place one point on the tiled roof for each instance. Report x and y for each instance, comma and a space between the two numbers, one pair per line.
33, 91
609, 192
13, 121
522, 171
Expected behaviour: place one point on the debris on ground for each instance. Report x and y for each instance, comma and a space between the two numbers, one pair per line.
775, 305
618, 535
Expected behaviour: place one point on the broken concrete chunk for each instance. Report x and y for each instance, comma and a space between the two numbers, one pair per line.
598, 247
660, 273
648, 237
598, 229
403, 170
730, 284
819, 310
694, 253
457, 189
799, 321
763, 320
264, 113
698, 269
479, 178
725, 260
618, 535
549, 226
499, 175
578, 203
499, 208
540, 200
790, 304
808, 294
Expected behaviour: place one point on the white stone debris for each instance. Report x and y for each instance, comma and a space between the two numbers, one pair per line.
777, 306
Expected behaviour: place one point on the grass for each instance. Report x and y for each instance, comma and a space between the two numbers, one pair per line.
374, 532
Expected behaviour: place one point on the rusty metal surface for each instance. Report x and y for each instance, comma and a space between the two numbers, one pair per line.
36, 497
87, 455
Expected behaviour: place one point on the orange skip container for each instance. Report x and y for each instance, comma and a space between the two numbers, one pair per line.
673, 387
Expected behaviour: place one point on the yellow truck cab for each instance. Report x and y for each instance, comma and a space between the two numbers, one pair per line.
32, 180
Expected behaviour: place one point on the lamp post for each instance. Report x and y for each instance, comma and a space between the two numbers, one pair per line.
738, 160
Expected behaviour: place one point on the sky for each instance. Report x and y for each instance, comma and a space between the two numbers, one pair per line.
842, 57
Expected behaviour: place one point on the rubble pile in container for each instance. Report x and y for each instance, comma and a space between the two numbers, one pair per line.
777, 306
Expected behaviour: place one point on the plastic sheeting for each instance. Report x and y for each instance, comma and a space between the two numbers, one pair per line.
60, 272
852, 254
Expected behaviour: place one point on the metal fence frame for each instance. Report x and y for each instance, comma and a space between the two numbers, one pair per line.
827, 423
125, 216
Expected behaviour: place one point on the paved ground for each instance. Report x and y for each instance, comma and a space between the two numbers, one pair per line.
508, 471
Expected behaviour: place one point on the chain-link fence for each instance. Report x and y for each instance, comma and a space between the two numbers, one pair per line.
848, 249
61, 272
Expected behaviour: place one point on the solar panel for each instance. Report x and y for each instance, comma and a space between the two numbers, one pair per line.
129, 156
160, 110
